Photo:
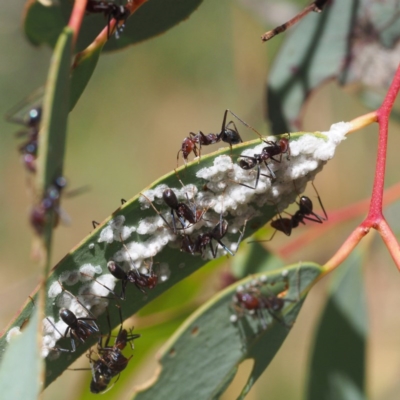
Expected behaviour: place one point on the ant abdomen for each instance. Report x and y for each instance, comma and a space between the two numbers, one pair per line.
116, 270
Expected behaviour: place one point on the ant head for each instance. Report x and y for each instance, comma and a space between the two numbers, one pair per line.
284, 145
247, 163
101, 377
188, 145
67, 316
60, 183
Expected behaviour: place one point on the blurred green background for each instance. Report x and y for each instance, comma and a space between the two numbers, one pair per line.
125, 132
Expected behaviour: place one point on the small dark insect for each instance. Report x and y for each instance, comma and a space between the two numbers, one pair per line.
50, 202
142, 280
185, 214
305, 212
110, 10
111, 361
256, 299
269, 152
228, 134
200, 243
79, 329
95, 224
29, 115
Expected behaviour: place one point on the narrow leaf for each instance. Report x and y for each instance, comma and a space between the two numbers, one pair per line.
206, 351
21, 369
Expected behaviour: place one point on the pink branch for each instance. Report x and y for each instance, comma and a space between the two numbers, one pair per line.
76, 18
375, 218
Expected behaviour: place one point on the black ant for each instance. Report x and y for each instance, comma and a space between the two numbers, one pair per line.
227, 135
253, 301
110, 10
50, 201
186, 215
79, 329
199, 245
272, 149
111, 361
305, 212
31, 120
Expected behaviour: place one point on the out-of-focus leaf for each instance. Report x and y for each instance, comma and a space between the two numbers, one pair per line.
337, 369
204, 354
313, 52
55, 115
21, 369
82, 71
374, 47
350, 40
43, 24
53, 131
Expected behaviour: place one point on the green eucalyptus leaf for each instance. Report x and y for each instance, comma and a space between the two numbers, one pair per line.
306, 59
208, 348
21, 368
81, 73
212, 181
53, 131
347, 41
43, 24
337, 369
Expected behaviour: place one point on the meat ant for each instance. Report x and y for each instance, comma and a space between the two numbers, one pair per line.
199, 245
50, 202
110, 10
254, 301
186, 215
30, 118
272, 149
227, 135
111, 361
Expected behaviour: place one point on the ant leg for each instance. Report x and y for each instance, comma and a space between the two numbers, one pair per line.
117, 297
320, 201
95, 224
224, 247
272, 176
223, 127
158, 212
123, 201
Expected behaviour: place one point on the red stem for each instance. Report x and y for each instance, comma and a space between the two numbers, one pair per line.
375, 210
75, 21
375, 218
